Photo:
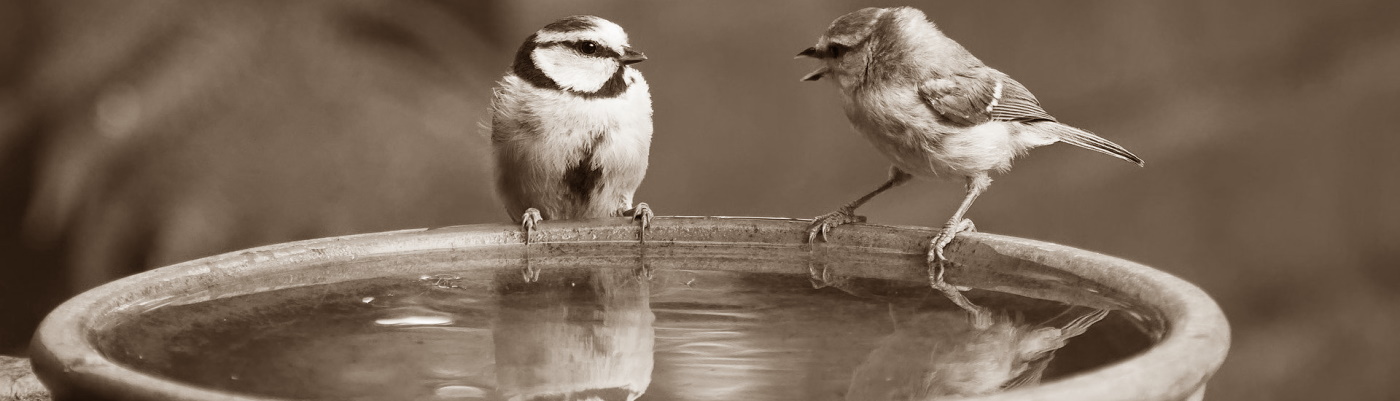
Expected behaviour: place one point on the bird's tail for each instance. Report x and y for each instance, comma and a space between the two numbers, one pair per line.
1087, 140
1081, 324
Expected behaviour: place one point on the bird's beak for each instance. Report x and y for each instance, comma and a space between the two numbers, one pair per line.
815, 75
810, 52
630, 56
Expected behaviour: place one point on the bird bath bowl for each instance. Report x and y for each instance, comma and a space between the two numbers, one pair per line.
705, 309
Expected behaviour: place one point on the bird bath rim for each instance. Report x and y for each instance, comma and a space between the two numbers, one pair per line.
1193, 348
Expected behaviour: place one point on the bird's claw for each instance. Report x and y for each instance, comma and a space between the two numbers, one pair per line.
945, 237
529, 221
823, 224
643, 215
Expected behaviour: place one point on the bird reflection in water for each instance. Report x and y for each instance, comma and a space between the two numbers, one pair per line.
582, 334
938, 353
589, 334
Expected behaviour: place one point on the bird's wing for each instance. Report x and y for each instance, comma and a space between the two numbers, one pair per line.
975, 98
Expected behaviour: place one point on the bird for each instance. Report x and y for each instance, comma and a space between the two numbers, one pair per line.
934, 354
571, 126
934, 110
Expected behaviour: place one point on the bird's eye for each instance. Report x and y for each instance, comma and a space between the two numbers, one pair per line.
588, 47
835, 50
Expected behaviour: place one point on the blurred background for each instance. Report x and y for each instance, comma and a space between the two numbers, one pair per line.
139, 134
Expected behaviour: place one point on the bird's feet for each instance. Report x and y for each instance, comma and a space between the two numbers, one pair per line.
824, 223
529, 221
938, 263
643, 215
945, 237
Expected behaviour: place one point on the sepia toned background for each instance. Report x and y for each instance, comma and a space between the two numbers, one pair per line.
139, 134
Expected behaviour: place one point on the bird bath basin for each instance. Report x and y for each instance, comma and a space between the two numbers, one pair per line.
706, 309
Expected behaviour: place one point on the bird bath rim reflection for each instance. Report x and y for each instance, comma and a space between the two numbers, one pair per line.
1177, 367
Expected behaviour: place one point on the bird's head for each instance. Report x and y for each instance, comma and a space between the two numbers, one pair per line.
851, 43
582, 53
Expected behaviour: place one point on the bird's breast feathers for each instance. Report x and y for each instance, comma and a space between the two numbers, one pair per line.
560, 122
577, 155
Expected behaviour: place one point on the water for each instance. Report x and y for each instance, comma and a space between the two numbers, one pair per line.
486, 334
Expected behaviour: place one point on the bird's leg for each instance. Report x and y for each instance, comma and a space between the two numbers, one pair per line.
975, 186
847, 214
643, 215
938, 262
527, 222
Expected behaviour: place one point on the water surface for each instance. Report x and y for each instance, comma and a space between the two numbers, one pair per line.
615, 333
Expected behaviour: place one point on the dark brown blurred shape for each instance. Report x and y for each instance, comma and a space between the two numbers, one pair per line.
142, 134
134, 134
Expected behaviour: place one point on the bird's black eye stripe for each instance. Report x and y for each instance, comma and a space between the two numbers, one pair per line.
584, 46
836, 50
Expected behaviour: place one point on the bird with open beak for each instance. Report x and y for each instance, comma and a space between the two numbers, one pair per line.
934, 110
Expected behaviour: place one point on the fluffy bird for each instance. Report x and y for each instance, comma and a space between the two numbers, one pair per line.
571, 125
934, 110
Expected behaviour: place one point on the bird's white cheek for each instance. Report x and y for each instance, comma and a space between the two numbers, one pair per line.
573, 71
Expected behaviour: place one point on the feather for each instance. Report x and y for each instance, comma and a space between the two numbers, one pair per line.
852, 29
980, 96
960, 99
1085, 139
1016, 103
989, 95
